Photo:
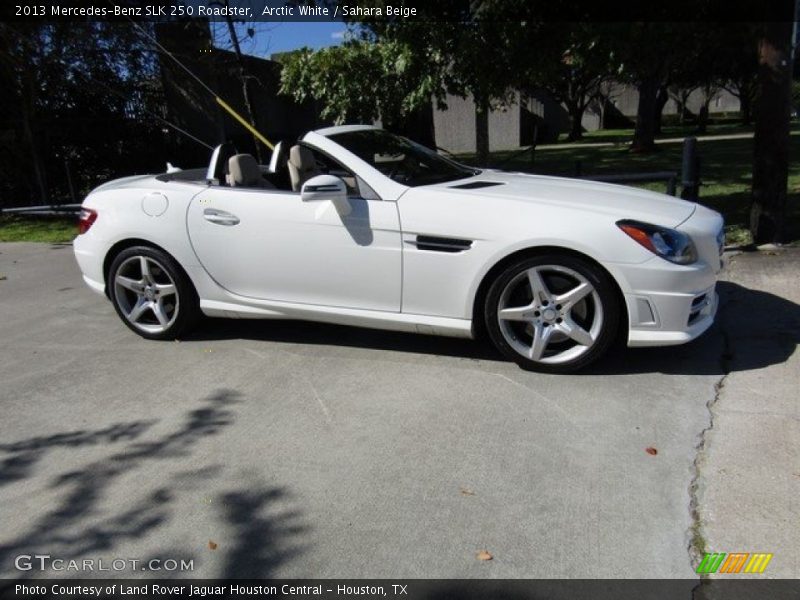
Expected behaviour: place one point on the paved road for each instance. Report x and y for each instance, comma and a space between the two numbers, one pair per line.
748, 492
290, 449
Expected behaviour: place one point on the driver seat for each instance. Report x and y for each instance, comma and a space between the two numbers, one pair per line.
302, 166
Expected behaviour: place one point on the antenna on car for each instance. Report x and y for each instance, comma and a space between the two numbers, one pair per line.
217, 99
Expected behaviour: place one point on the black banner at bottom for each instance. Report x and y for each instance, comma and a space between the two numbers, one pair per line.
401, 589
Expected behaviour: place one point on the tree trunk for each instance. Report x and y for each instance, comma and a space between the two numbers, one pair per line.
39, 171
702, 116
644, 134
661, 101
603, 102
746, 108
576, 116
482, 132
771, 141
684, 108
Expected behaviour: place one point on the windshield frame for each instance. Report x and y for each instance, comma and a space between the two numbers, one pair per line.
421, 157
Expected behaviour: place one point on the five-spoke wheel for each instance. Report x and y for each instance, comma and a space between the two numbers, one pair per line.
151, 293
552, 313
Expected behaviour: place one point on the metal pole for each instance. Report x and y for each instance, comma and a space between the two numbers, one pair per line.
690, 170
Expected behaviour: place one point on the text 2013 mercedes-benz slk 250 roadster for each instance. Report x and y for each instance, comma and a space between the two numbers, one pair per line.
356, 225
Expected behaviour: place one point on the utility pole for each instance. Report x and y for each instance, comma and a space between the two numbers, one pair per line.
245, 78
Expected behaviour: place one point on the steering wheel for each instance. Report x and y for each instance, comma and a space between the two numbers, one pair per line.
406, 165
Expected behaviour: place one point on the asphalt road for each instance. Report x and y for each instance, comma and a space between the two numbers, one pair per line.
285, 449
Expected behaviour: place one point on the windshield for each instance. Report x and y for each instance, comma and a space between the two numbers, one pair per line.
401, 159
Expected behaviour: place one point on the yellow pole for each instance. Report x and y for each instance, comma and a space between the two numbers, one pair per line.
244, 123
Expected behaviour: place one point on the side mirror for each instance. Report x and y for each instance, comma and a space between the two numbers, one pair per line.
327, 187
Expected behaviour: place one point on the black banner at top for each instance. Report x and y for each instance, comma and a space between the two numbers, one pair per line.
712, 11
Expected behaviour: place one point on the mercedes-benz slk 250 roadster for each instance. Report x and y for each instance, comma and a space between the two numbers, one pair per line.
358, 226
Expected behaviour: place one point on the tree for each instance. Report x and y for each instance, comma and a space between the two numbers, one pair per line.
573, 66
771, 140
644, 52
399, 66
740, 67
362, 80
245, 77
53, 75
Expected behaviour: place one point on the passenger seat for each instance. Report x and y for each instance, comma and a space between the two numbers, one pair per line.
302, 166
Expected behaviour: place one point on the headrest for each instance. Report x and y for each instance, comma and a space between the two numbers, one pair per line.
244, 171
302, 159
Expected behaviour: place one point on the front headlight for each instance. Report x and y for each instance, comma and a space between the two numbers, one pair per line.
670, 244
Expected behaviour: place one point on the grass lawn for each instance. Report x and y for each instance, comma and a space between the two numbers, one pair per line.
668, 131
726, 172
52, 230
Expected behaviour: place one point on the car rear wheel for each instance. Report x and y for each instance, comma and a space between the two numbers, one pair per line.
554, 313
151, 293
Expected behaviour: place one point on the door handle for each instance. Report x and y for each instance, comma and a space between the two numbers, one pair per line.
220, 217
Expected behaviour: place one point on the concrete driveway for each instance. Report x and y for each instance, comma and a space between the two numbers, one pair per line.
285, 449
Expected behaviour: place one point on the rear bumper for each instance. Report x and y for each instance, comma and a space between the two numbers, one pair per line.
90, 265
97, 286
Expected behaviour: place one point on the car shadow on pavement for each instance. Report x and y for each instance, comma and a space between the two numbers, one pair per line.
754, 329
326, 334
94, 513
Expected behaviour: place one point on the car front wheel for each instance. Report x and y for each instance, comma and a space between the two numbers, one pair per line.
554, 313
151, 293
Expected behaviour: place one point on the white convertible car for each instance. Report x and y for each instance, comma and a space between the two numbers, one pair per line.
359, 226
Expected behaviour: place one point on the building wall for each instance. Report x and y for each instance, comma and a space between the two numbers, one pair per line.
455, 127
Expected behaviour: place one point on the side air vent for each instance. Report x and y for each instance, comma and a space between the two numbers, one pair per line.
475, 185
440, 244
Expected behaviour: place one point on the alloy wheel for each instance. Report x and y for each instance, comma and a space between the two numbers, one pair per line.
550, 314
146, 294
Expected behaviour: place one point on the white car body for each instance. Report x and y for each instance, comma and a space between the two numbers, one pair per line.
286, 258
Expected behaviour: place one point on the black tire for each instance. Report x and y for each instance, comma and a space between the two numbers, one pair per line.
180, 310
556, 270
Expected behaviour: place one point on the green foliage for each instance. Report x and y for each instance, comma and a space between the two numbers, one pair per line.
359, 80
70, 90
30, 229
397, 67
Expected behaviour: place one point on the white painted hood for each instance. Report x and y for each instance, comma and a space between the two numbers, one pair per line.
618, 201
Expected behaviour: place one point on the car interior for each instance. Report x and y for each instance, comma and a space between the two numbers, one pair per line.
290, 166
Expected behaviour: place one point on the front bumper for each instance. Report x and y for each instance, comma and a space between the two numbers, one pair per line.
670, 319
672, 304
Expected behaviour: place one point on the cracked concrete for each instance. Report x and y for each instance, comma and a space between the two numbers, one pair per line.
747, 487
315, 450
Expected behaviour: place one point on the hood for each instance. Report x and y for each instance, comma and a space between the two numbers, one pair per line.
618, 201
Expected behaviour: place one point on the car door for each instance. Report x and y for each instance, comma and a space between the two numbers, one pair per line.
270, 245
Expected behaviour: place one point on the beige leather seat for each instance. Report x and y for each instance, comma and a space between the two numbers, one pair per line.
302, 166
243, 171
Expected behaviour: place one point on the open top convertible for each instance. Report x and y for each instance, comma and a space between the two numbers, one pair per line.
356, 225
